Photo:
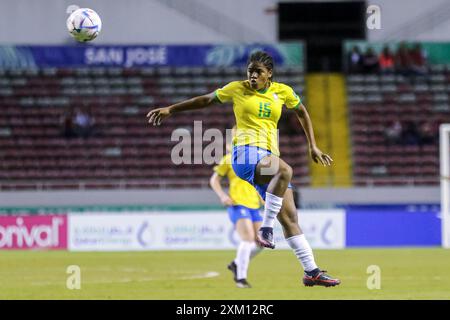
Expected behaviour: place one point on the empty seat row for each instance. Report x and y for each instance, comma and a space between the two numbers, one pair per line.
124, 151
378, 101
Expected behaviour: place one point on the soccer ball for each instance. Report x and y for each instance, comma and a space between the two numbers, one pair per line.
84, 24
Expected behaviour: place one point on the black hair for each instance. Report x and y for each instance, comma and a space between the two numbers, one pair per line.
262, 57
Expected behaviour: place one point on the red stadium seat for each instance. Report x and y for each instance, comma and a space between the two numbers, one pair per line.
405, 102
125, 151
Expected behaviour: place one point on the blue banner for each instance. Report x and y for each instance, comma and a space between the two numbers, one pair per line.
392, 228
284, 54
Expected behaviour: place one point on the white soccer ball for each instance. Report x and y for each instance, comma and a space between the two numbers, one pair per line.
84, 24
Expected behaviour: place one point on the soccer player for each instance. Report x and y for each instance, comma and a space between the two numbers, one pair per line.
243, 204
257, 104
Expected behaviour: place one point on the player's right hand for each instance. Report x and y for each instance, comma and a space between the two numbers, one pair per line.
226, 201
156, 116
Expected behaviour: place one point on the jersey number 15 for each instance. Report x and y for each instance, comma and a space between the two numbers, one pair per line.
264, 110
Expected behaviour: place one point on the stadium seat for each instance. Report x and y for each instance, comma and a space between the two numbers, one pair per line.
124, 151
413, 99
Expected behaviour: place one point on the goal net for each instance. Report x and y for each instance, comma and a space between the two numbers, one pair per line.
444, 148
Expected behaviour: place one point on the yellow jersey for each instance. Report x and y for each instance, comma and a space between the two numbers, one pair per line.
241, 192
257, 112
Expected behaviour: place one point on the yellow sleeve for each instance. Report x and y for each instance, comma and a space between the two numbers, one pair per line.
226, 93
292, 100
223, 167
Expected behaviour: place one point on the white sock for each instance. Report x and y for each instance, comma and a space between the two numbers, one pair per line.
303, 251
271, 208
255, 250
243, 258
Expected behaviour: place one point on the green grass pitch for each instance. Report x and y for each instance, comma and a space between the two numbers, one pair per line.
183, 275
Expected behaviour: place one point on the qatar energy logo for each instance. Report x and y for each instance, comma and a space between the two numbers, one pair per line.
33, 232
148, 231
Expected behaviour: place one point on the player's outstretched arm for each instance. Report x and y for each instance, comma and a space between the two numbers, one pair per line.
156, 116
316, 154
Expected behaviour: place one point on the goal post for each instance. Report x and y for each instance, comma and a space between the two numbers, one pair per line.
444, 149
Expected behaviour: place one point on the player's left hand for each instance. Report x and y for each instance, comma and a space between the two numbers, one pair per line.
319, 157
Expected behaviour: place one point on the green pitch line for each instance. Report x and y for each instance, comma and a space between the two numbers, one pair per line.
184, 275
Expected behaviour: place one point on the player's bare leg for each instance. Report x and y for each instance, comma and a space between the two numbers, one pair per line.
247, 250
256, 248
277, 174
294, 236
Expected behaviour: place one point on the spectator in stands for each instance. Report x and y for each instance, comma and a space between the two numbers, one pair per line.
418, 60
403, 63
355, 60
84, 122
370, 61
387, 61
427, 134
410, 135
68, 125
393, 133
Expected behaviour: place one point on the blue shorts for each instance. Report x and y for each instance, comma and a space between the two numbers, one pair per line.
240, 212
244, 161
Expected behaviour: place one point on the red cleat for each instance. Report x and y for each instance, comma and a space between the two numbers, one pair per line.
321, 279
